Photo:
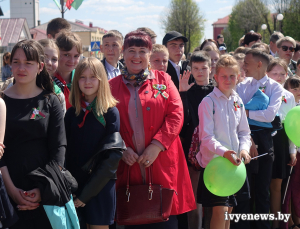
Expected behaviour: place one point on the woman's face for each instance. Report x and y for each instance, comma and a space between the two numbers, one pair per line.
136, 59
51, 59
23, 70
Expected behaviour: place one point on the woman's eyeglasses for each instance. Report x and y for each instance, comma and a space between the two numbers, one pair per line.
285, 48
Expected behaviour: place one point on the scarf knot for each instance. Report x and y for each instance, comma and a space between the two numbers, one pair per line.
139, 78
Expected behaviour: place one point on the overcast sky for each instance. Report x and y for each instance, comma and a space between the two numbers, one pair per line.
127, 15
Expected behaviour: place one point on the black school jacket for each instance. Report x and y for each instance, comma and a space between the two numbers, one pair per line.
172, 72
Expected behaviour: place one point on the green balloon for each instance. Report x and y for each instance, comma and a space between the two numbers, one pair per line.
292, 125
222, 178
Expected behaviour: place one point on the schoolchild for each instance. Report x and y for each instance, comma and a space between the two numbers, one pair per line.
51, 63
223, 131
92, 130
240, 59
214, 54
70, 48
255, 66
191, 96
159, 58
111, 47
284, 149
292, 84
57, 25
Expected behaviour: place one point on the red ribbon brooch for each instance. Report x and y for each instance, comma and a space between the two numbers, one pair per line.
161, 88
283, 99
236, 105
37, 112
262, 89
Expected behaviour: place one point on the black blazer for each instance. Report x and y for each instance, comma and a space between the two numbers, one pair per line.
172, 72
119, 64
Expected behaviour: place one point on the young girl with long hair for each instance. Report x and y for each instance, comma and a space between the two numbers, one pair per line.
91, 122
35, 132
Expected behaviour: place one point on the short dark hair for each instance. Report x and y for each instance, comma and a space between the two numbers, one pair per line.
292, 82
67, 40
208, 40
200, 57
298, 62
149, 31
56, 25
276, 36
259, 55
251, 36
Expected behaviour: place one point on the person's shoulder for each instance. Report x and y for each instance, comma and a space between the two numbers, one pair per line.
245, 82
112, 111
288, 94
161, 75
275, 85
115, 80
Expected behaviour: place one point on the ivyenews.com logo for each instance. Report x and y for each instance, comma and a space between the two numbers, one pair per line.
237, 217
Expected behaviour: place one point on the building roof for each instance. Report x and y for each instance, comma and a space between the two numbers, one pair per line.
222, 21
75, 27
13, 29
38, 34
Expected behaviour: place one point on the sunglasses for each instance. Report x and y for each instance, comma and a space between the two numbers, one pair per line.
285, 48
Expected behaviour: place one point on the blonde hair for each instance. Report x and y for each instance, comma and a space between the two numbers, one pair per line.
159, 48
227, 61
49, 43
113, 33
105, 99
287, 39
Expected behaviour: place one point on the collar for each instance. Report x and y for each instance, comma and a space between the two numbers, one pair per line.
262, 81
273, 54
110, 67
175, 65
149, 77
219, 94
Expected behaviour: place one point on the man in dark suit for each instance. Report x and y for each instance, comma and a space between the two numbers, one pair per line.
175, 41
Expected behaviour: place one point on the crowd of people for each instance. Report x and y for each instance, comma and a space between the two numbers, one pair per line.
74, 130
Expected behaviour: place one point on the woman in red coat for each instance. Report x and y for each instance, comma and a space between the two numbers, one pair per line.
151, 117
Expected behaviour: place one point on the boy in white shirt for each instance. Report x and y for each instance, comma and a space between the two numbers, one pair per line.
223, 131
255, 66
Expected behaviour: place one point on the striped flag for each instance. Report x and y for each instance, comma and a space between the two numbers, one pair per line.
76, 4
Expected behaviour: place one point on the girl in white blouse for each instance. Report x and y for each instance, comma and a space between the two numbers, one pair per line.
223, 131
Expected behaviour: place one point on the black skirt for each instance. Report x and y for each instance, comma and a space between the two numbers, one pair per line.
282, 156
207, 199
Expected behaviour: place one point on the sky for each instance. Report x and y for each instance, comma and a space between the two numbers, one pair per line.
127, 15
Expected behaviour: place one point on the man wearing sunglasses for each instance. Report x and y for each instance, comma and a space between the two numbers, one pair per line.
286, 48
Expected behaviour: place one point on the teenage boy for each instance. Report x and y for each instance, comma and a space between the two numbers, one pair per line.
111, 47
286, 48
159, 58
57, 25
175, 41
255, 66
273, 39
192, 95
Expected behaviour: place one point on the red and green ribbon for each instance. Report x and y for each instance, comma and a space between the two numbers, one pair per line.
236, 105
283, 99
37, 112
161, 88
262, 89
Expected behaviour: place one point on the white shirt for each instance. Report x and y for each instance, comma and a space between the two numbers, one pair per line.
284, 109
226, 129
272, 89
112, 72
273, 54
177, 67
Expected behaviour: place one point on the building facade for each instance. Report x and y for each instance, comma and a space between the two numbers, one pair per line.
219, 26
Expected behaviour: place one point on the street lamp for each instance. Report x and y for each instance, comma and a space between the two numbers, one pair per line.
280, 18
264, 27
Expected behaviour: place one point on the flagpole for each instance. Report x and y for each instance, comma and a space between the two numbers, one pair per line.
62, 8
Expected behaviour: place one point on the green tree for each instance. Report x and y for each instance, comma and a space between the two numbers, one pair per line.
291, 21
184, 16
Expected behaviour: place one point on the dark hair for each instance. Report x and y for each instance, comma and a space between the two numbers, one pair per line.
298, 62
34, 52
262, 46
292, 82
208, 40
297, 46
137, 38
276, 36
56, 25
249, 37
67, 40
149, 31
5, 57
260, 56
200, 57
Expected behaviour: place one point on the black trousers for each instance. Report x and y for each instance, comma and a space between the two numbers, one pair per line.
172, 223
259, 173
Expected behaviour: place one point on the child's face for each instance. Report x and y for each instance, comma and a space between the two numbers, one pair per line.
51, 59
159, 61
242, 72
111, 48
296, 93
214, 59
88, 83
24, 71
226, 79
278, 74
68, 60
200, 72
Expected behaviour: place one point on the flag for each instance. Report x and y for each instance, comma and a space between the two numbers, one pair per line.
56, 2
76, 4
68, 4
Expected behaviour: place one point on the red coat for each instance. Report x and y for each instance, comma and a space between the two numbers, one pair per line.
163, 119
